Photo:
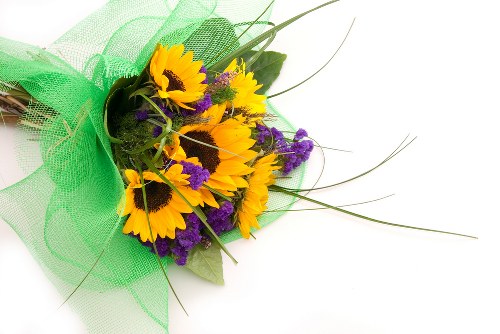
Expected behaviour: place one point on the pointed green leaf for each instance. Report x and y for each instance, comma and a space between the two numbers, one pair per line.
206, 263
266, 68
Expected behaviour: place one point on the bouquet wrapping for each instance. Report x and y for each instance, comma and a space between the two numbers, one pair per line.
65, 210
134, 132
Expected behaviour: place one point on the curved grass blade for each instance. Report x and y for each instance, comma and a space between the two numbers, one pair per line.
227, 48
205, 144
338, 206
160, 150
155, 106
398, 150
331, 148
196, 209
106, 130
106, 245
261, 50
322, 67
290, 193
316, 144
261, 38
153, 242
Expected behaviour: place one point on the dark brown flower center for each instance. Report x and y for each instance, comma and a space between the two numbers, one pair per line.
208, 156
158, 195
174, 82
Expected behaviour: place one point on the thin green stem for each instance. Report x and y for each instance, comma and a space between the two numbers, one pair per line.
290, 193
158, 109
160, 150
398, 150
106, 245
153, 241
338, 206
256, 56
227, 48
218, 66
111, 138
322, 67
205, 144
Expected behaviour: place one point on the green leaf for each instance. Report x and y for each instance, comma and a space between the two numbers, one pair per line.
206, 263
266, 68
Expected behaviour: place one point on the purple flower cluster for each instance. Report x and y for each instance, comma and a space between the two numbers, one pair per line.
163, 106
301, 133
198, 174
199, 107
293, 153
224, 79
220, 219
273, 135
141, 115
203, 104
157, 131
184, 241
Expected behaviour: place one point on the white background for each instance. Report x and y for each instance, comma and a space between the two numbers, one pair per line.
429, 68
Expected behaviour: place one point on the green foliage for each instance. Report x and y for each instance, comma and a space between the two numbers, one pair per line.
222, 95
266, 68
206, 263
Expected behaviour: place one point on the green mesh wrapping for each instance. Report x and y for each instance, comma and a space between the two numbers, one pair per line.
65, 209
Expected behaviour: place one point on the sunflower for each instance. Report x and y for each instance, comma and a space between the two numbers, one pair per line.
165, 206
256, 195
228, 151
246, 102
178, 78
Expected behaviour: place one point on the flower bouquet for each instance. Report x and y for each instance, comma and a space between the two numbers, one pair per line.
158, 146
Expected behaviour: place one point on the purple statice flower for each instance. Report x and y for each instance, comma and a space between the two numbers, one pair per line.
220, 219
301, 133
199, 107
271, 135
162, 245
295, 154
203, 69
203, 104
186, 239
224, 79
163, 106
141, 115
262, 134
157, 131
198, 174
278, 137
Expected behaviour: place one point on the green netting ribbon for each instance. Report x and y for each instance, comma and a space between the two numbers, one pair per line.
65, 208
